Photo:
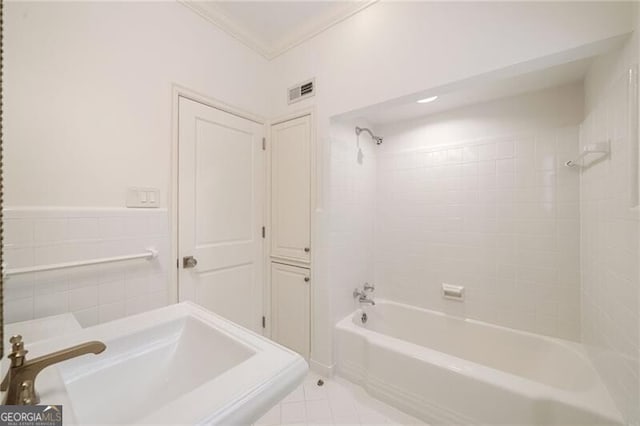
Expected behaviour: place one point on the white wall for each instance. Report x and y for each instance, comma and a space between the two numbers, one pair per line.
87, 95
610, 234
479, 197
397, 48
88, 113
393, 49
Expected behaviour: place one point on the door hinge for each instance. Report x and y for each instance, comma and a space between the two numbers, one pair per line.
178, 263
264, 232
264, 322
264, 144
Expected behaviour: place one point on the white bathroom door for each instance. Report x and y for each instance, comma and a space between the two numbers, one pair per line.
220, 212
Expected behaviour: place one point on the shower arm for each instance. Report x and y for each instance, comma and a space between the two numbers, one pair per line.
378, 139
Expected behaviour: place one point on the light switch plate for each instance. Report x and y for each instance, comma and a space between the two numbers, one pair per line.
143, 197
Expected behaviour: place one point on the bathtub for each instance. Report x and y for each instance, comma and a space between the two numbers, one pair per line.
448, 370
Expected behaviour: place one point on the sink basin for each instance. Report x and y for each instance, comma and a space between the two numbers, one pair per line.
173, 359
178, 364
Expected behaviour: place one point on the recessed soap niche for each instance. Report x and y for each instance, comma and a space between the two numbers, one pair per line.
453, 292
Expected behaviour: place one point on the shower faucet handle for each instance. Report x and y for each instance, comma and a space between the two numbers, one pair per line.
369, 287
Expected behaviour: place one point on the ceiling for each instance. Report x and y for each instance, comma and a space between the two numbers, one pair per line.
273, 27
475, 93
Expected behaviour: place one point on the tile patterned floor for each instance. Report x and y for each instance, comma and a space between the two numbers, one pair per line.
337, 402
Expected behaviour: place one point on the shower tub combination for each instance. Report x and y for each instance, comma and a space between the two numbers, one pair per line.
449, 370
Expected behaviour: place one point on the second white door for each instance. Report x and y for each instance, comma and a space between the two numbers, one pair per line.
220, 212
291, 190
291, 307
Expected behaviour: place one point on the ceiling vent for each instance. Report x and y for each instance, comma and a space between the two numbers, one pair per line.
301, 91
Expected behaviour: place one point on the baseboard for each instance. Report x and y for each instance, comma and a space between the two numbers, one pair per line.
322, 369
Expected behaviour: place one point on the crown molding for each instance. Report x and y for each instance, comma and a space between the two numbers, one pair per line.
216, 16
220, 20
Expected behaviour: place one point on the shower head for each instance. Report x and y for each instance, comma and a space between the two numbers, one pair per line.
377, 139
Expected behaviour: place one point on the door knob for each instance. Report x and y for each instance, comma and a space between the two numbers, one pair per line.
306, 279
189, 262
307, 249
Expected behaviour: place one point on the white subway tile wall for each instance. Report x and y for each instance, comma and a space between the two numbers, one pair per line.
499, 216
352, 206
94, 294
610, 235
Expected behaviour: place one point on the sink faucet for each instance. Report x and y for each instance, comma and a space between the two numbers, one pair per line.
363, 297
19, 383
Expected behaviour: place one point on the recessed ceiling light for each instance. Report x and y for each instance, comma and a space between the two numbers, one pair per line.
427, 100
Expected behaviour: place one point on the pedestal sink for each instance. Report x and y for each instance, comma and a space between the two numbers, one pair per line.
176, 365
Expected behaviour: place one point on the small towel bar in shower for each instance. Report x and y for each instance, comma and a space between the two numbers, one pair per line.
150, 254
603, 148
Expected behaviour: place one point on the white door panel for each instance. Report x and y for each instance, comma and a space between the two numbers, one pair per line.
290, 307
225, 164
291, 189
221, 198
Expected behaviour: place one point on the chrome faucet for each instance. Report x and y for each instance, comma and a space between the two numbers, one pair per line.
19, 383
363, 296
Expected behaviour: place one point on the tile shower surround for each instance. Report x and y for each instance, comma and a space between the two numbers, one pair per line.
497, 216
94, 294
610, 236
352, 205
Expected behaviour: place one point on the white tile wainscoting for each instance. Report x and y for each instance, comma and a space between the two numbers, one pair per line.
94, 294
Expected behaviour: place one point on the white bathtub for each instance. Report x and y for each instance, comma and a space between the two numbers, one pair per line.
448, 370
